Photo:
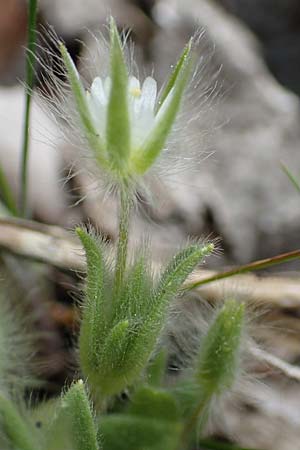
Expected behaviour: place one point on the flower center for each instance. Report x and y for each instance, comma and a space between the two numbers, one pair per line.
135, 92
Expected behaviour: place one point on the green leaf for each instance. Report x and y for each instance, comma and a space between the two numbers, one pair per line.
177, 271
136, 290
76, 405
176, 72
165, 118
14, 427
209, 444
70, 424
112, 376
95, 266
124, 432
115, 345
216, 368
94, 318
219, 356
118, 121
79, 94
156, 369
156, 404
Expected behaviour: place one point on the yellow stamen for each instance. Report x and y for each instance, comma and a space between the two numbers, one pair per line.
136, 92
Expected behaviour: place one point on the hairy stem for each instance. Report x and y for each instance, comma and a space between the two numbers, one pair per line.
122, 245
32, 15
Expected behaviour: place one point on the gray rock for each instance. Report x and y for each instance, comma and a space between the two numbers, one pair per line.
242, 188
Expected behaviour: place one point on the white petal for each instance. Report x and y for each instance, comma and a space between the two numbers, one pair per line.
164, 106
141, 127
97, 91
107, 86
149, 92
134, 84
98, 113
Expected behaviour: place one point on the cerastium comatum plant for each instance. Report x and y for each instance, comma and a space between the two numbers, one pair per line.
122, 400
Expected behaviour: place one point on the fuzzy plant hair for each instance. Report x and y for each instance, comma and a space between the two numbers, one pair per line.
123, 129
156, 124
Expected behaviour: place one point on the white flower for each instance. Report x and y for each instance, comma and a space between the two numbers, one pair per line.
141, 103
123, 124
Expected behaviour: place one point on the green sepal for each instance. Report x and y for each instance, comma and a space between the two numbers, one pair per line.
118, 121
79, 94
174, 75
165, 118
14, 427
219, 356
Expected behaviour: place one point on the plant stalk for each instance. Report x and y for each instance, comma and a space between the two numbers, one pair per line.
251, 267
122, 245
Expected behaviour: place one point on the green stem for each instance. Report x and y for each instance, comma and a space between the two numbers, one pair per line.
251, 267
291, 177
122, 246
32, 15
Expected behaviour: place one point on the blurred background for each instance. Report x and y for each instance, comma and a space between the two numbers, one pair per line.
244, 125
248, 109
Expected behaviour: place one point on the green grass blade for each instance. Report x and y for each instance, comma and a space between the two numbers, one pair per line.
291, 177
8, 198
251, 267
32, 16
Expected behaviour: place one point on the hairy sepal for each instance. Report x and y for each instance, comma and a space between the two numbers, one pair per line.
175, 74
79, 95
118, 122
165, 118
